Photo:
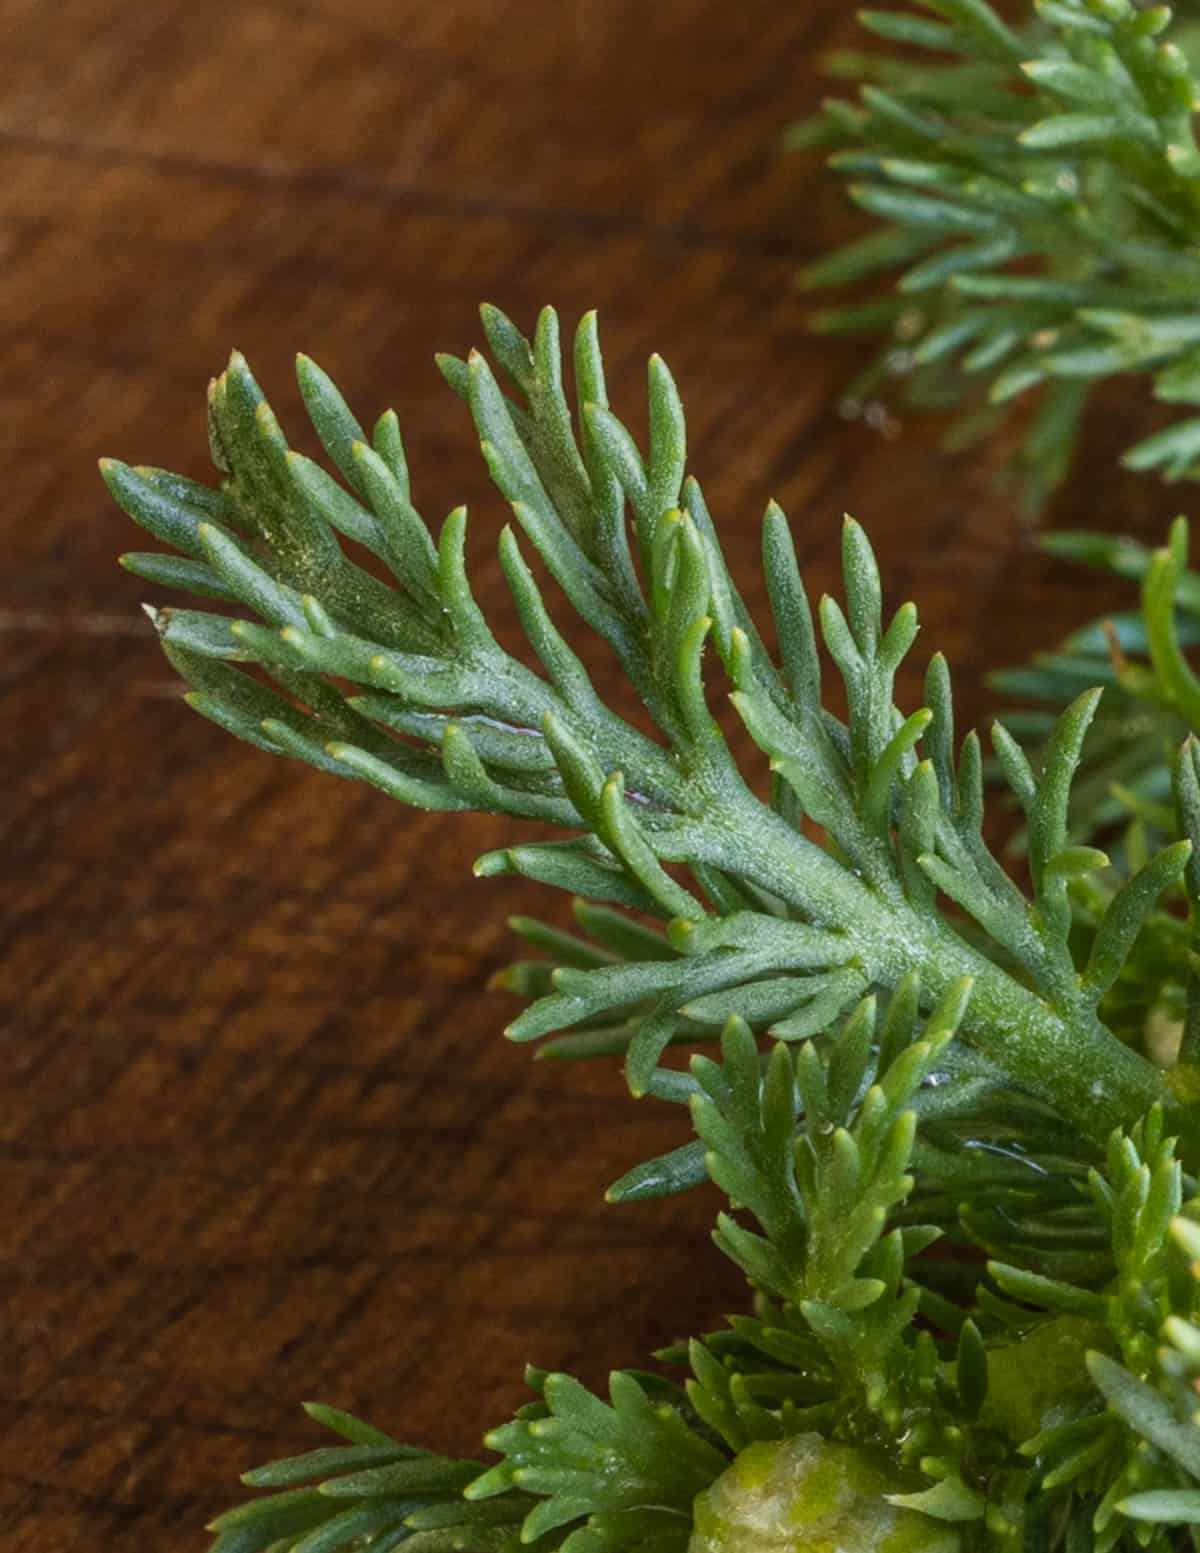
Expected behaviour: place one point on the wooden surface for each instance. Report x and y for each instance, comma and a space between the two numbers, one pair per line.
261, 1138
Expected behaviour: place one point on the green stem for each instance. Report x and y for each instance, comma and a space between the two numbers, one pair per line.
1070, 1059
1089, 1076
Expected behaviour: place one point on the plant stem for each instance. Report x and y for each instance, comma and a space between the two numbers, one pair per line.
1068, 1058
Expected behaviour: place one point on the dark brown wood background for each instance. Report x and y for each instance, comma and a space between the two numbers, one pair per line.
261, 1138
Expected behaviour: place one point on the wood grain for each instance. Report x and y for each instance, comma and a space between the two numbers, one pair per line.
261, 1138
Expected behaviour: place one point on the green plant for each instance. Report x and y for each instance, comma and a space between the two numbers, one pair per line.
907, 1051
1038, 189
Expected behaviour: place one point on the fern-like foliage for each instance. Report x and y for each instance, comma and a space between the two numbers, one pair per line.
1038, 186
1111, 1456
1130, 791
369, 1492
440, 715
818, 1148
1152, 697
982, 1417
912, 1062
1163, 1484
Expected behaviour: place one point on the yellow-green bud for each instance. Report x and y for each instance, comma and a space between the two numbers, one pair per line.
809, 1495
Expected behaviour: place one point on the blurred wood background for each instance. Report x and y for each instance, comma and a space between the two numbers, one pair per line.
261, 1138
